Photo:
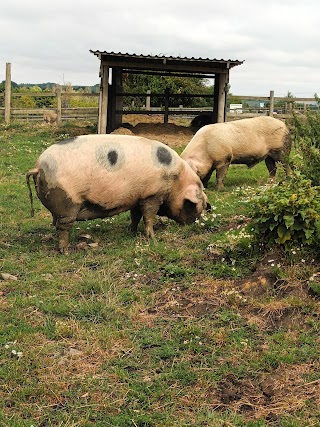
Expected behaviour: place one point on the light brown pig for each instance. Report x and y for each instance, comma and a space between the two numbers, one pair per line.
245, 141
97, 176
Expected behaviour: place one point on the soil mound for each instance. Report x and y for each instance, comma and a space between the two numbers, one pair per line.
169, 133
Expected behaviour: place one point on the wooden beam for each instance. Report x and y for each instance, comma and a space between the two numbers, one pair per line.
220, 97
118, 99
201, 69
7, 99
52, 94
103, 100
164, 73
271, 105
215, 99
159, 95
59, 106
114, 119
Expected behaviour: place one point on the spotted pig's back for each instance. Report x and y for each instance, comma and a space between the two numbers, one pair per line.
112, 169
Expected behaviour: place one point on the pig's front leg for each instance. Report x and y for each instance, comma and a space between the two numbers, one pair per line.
136, 215
149, 208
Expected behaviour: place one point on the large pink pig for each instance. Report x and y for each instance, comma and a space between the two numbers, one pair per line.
97, 176
245, 141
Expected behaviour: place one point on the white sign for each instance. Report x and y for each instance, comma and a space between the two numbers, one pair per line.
236, 108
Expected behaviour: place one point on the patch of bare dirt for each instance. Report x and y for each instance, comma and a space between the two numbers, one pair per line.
283, 391
184, 306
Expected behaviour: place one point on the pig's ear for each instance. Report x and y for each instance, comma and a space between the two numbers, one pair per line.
193, 200
192, 195
190, 207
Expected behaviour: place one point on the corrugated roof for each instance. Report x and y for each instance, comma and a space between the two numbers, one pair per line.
231, 62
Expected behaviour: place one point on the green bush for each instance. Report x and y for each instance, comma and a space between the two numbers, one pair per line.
307, 141
287, 213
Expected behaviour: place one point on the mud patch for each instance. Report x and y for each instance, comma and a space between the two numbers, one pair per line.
271, 394
185, 307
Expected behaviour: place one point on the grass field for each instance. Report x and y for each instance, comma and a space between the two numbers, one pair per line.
188, 330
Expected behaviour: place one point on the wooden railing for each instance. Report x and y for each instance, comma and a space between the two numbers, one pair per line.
91, 113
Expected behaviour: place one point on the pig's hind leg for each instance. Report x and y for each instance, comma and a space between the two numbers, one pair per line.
63, 221
63, 226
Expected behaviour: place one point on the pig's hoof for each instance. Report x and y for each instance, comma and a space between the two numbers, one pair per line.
64, 251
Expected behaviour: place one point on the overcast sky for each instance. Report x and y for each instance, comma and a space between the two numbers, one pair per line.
279, 40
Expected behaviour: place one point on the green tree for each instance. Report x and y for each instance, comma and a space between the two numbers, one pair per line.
82, 101
23, 102
136, 83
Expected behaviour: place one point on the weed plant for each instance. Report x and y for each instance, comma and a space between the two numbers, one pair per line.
287, 213
307, 143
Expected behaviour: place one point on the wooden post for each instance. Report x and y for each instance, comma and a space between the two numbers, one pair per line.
271, 105
111, 107
59, 106
215, 98
7, 99
118, 99
166, 106
115, 103
148, 100
220, 93
103, 100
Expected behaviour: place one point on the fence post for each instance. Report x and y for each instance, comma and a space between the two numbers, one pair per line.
7, 99
166, 106
148, 103
271, 105
59, 106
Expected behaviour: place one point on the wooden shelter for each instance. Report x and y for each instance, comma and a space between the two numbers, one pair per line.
114, 65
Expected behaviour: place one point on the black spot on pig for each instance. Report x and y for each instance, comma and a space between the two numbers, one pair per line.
110, 157
113, 157
71, 143
66, 141
164, 156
